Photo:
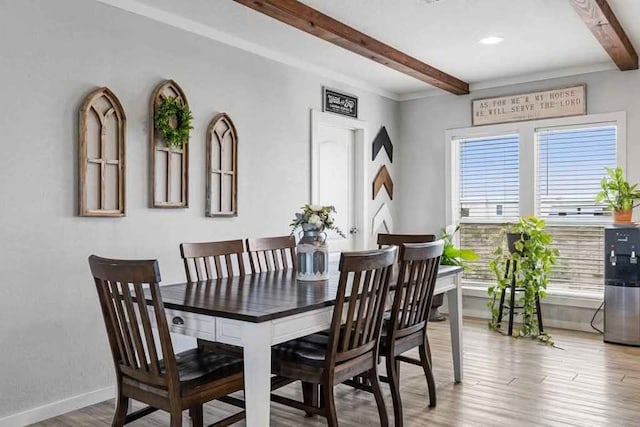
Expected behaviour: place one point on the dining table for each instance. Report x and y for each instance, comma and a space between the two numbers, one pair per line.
257, 311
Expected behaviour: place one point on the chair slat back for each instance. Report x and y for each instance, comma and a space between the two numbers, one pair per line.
415, 285
129, 322
399, 239
364, 282
272, 253
213, 260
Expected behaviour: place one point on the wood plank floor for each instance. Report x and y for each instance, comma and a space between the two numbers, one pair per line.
507, 382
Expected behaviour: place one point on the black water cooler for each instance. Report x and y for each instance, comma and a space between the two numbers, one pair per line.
622, 285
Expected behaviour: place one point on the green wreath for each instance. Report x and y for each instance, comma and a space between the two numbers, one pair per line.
167, 109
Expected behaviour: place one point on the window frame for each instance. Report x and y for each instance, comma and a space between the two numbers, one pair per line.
527, 132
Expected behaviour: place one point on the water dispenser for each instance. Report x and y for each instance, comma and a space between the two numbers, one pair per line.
622, 285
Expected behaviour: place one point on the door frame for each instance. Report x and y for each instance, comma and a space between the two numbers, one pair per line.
360, 157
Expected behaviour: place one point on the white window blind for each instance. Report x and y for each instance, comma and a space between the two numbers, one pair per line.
489, 178
571, 163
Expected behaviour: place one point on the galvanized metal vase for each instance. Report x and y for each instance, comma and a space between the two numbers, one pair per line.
313, 255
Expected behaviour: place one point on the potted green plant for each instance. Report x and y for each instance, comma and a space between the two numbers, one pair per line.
452, 255
530, 248
618, 195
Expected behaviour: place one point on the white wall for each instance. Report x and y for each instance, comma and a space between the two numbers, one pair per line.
421, 167
52, 340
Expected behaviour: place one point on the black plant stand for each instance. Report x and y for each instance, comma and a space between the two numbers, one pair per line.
511, 305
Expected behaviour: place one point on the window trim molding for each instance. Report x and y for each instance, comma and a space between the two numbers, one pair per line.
526, 131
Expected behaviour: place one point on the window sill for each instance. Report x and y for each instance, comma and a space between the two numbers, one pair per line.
589, 300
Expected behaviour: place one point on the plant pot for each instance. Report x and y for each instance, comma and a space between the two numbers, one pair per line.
512, 239
622, 217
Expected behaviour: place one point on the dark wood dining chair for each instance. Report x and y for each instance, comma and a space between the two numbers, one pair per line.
405, 327
351, 347
149, 373
213, 260
399, 240
272, 253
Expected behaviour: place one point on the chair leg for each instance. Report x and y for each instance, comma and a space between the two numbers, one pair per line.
197, 416
377, 392
176, 419
427, 347
122, 405
394, 384
329, 405
428, 373
310, 396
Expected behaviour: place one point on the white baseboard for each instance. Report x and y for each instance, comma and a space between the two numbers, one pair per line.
553, 323
58, 408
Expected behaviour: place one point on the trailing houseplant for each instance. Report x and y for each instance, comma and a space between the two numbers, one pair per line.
173, 120
534, 257
618, 195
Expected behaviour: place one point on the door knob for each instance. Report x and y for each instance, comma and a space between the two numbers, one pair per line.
353, 230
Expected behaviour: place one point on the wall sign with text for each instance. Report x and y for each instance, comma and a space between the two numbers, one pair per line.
563, 102
339, 103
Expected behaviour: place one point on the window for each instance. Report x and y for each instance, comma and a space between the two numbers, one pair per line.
489, 182
550, 168
571, 163
489, 178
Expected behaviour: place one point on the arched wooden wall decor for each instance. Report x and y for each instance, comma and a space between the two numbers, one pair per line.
222, 167
101, 155
169, 165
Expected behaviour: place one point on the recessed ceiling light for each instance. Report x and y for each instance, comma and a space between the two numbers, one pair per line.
492, 40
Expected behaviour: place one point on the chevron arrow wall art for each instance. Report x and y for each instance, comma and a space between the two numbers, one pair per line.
383, 179
382, 140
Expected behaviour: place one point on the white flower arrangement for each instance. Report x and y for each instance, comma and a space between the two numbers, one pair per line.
315, 217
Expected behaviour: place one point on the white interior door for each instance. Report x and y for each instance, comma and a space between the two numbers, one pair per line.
336, 181
339, 177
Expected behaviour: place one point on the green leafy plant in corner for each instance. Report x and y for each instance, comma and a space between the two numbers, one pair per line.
173, 120
617, 194
452, 255
534, 258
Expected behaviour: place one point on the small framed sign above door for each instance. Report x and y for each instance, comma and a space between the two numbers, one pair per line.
339, 103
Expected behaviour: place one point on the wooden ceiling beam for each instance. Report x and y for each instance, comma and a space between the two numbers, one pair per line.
604, 25
307, 19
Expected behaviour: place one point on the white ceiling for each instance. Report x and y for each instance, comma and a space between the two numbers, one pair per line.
543, 38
